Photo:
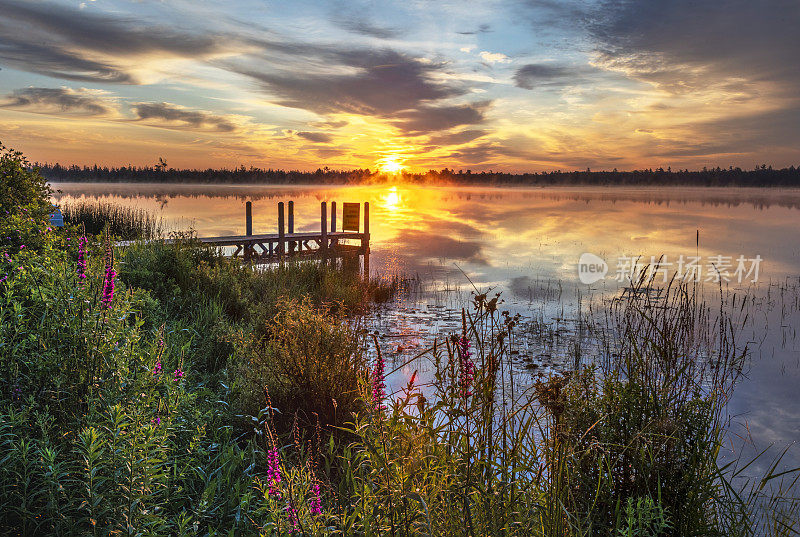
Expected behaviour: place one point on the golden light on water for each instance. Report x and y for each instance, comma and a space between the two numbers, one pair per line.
391, 200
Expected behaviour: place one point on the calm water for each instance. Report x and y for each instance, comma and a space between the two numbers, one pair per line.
526, 243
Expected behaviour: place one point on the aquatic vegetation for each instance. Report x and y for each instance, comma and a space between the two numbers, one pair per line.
125, 223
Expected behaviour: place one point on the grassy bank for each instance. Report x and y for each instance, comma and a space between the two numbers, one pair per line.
166, 390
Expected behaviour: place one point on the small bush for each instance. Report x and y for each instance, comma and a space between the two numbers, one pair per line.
311, 364
21, 186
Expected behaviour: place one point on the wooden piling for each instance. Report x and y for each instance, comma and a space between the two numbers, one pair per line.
323, 247
248, 225
333, 217
365, 240
292, 244
281, 232
248, 218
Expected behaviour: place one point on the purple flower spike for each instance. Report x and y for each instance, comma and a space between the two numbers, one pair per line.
273, 471
293, 517
178, 375
108, 287
378, 384
81, 258
466, 371
316, 500
108, 278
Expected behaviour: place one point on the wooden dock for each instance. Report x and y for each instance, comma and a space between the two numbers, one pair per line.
327, 244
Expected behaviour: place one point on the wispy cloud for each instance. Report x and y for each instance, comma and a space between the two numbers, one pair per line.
57, 101
74, 44
682, 44
427, 119
494, 57
172, 116
539, 75
319, 137
379, 83
362, 26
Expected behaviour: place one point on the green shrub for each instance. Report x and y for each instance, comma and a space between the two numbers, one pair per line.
311, 365
20, 186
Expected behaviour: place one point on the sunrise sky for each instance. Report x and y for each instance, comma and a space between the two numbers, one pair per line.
503, 85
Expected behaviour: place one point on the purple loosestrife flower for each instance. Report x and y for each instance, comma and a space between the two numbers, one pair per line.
81, 258
156, 421
110, 275
316, 500
293, 517
273, 471
466, 370
378, 384
157, 368
108, 287
179, 374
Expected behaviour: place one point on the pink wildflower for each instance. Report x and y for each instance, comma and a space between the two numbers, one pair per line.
273, 470
157, 368
466, 371
316, 500
179, 374
81, 258
108, 278
293, 517
108, 287
378, 384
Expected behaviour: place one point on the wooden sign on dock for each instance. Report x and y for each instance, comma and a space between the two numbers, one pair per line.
351, 215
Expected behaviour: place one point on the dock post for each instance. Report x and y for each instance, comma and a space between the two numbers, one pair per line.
248, 224
333, 217
365, 240
248, 218
291, 226
324, 231
281, 232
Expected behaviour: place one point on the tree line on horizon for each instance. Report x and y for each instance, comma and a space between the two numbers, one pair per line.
762, 175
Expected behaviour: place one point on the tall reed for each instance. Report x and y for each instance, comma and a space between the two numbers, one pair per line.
126, 223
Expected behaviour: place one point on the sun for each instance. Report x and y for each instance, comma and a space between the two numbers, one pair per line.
391, 166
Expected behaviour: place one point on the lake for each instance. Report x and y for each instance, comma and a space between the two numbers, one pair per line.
527, 243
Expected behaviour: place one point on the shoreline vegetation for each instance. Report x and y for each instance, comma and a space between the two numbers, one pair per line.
167, 390
761, 176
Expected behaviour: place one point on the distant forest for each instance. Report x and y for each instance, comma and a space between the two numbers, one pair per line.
760, 176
